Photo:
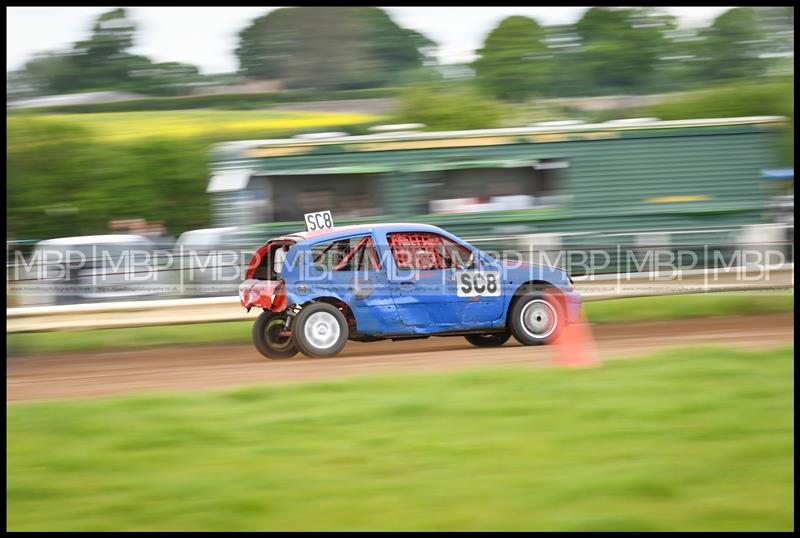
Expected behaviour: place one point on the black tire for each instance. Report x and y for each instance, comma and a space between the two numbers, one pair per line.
488, 340
320, 330
266, 339
538, 308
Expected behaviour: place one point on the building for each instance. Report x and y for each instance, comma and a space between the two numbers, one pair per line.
557, 178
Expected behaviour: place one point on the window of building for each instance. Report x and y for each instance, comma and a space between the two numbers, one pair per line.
497, 189
346, 195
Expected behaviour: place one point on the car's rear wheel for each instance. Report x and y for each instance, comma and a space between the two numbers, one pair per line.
488, 340
320, 330
536, 318
268, 339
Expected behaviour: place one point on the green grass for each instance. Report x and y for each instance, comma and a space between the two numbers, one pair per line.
748, 303
688, 439
228, 332
238, 332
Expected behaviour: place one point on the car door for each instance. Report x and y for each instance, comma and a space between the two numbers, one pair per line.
428, 273
481, 290
351, 269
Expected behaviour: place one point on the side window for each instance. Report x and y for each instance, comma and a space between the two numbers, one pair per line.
351, 254
456, 256
426, 251
366, 259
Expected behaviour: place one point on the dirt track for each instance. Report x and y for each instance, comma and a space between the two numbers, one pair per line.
82, 375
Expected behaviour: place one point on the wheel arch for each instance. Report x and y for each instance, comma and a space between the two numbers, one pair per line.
338, 303
535, 285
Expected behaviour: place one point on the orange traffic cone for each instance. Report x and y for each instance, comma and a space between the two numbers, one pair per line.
575, 348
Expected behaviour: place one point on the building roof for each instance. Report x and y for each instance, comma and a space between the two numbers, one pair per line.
543, 128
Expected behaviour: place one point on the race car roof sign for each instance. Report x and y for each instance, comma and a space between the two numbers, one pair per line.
318, 221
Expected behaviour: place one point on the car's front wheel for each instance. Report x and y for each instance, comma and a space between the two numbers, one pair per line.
488, 340
268, 339
536, 318
320, 330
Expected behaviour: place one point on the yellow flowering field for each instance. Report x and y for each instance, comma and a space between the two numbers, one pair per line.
207, 123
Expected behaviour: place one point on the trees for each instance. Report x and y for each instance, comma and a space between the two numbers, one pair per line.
778, 26
732, 45
514, 62
162, 78
449, 107
103, 62
606, 50
329, 48
622, 47
62, 180
52, 72
111, 38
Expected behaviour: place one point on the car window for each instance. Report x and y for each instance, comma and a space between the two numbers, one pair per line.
350, 254
427, 251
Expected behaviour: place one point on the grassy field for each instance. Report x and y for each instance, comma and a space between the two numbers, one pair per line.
238, 332
688, 439
746, 303
206, 123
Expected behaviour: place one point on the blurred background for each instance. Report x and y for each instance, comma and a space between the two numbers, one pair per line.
127, 126
151, 150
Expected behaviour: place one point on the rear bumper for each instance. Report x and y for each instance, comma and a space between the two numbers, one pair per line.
267, 294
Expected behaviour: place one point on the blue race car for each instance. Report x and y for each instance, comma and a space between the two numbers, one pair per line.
323, 287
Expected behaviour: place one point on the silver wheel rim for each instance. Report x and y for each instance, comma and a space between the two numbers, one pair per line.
539, 319
322, 330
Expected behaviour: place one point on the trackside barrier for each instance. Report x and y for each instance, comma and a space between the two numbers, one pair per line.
183, 311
